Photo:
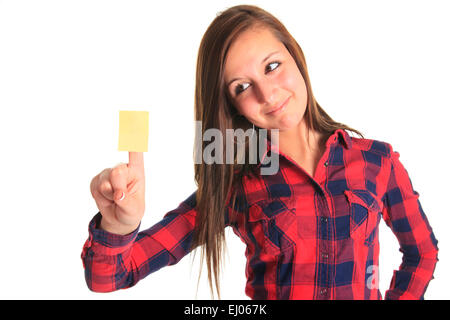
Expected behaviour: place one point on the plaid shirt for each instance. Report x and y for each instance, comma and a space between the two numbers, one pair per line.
306, 237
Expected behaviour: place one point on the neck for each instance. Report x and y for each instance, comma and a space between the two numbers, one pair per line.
296, 143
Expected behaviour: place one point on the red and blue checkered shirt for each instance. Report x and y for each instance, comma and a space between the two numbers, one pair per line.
306, 237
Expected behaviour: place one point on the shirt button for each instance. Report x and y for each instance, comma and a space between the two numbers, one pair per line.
324, 219
325, 255
326, 164
323, 291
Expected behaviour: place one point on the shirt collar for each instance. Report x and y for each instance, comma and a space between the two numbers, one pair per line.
339, 136
342, 137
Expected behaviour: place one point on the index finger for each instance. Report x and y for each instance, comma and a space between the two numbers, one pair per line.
136, 159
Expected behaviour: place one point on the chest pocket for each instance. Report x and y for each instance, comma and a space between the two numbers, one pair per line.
272, 225
364, 215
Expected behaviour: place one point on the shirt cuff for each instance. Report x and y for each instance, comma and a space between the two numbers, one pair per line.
106, 243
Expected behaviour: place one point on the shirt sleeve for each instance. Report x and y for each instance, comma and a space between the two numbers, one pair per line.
113, 262
403, 213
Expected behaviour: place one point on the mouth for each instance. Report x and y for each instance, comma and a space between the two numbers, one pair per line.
280, 108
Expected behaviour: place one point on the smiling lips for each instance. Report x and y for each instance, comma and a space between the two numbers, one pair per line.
280, 108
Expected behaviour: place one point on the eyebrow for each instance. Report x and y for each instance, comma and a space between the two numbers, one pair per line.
268, 56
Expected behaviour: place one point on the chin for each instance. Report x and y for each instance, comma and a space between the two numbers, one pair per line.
289, 122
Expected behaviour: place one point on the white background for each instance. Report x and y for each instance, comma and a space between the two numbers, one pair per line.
68, 67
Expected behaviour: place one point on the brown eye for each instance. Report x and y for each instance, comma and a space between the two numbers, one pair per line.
276, 63
239, 89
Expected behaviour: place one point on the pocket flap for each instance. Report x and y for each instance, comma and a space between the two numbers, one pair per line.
364, 214
363, 198
268, 209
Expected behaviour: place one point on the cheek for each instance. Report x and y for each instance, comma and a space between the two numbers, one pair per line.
293, 81
251, 110
248, 107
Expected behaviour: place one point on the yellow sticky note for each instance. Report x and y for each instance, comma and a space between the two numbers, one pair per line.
133, 131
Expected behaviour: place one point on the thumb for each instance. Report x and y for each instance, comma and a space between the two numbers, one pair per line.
119, 195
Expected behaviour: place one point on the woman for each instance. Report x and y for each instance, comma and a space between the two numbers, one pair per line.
311, 228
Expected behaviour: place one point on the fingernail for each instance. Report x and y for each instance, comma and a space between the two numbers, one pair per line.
122, 197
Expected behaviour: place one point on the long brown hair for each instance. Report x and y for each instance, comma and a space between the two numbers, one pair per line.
216, 182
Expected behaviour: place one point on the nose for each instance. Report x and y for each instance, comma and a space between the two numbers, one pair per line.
267, 92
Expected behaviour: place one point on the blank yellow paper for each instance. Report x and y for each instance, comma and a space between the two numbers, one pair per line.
133, 131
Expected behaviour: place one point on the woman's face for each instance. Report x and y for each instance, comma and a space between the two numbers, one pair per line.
261, 76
